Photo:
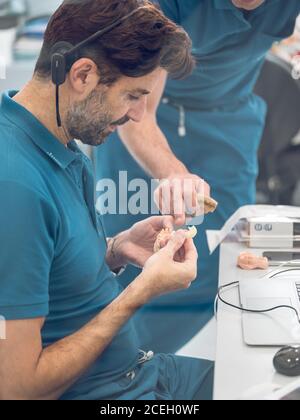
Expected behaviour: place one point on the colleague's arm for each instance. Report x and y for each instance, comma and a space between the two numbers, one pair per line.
150, 148
29, 372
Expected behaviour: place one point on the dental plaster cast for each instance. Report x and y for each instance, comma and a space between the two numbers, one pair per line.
165, 235
248, 261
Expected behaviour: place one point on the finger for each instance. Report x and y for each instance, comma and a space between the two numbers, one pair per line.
161, 222
171, 203
164, 242
191, 258
190, 250
161, 197
166, 198
161, 202
156, 197
180, 255
176, 242
203, 188
180, 220
168, 222
190, 196
201, 194
178, 205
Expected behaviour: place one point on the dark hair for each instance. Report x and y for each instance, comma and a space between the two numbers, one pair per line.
135, 48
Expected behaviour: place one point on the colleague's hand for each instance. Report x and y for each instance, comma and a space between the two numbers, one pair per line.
178, 195
164, 273
136, 245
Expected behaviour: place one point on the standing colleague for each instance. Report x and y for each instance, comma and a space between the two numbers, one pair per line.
207, 127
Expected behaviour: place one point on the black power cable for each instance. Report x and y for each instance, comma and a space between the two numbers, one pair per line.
253, 310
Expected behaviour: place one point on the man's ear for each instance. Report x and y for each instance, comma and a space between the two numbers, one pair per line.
84, 75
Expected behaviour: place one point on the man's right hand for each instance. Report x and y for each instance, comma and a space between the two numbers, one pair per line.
172, 269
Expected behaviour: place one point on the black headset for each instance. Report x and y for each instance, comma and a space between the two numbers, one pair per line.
64, 55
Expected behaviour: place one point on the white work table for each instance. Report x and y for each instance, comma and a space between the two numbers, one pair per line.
242, 372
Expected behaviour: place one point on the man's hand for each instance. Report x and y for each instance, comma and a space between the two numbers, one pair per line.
135, 246
164, 273
178, 195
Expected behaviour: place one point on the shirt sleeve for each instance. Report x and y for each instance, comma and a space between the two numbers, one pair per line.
170, 9
27, 234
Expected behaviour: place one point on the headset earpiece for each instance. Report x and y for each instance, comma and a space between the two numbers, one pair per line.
59, 65
59, 69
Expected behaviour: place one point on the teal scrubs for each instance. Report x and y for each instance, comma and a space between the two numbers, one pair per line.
224, 122
52, 263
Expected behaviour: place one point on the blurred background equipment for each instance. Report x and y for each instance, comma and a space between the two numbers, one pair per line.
10, 13
41, 8
29, 38
279, 154
22, 27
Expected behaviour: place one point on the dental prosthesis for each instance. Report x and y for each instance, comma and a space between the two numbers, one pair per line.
165, 235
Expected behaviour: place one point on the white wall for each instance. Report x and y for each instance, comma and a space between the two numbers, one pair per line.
42, 7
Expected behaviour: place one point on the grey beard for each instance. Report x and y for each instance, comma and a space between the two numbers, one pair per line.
86, 124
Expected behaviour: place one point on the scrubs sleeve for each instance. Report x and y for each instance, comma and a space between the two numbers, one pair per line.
170, 9
27, 234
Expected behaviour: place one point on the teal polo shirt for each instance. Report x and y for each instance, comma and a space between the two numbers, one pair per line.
229, 45
52, 259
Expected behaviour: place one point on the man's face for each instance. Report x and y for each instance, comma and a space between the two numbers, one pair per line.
248, 4
93, 119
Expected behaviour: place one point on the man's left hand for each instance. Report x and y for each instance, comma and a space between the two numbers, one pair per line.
136, 245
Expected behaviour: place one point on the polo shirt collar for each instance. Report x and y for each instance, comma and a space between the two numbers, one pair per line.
37, 132
228, 5
224, 5
239, 24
